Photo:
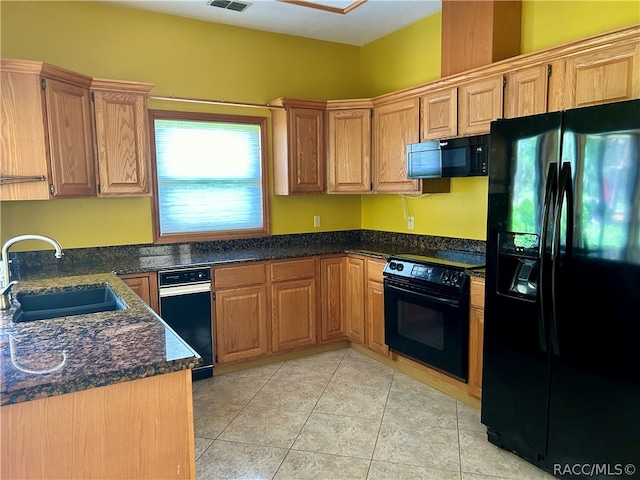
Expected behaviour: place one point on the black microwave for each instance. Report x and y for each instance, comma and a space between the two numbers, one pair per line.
458, 157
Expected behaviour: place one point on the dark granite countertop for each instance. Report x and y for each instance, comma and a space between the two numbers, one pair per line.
62, 355
103, 348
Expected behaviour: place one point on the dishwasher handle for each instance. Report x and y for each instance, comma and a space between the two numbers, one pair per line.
176, 290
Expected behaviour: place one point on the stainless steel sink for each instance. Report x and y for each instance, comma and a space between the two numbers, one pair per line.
78, 301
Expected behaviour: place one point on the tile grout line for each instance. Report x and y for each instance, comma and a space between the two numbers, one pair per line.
245, 405
375, 444
308, 416
458, 435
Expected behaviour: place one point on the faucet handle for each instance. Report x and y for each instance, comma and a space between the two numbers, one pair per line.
6, 290
5, 296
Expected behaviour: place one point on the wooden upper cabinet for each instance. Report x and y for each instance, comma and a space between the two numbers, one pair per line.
526, 91
349, 150
24, 169
47, 132
70, 132
395, 125
51, 137
479, 103
122, 137
439, 114
602, 76
298, 146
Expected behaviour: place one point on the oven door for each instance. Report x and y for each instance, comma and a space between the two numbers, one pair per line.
428, 325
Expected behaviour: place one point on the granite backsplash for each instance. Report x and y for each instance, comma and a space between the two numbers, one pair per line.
149, 257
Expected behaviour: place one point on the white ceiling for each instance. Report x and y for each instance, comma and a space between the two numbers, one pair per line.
366, 23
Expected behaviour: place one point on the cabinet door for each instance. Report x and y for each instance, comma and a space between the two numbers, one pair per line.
122, 143
476, 337
293, 314
394, 127
526, 91
24, 173
375, 318
349, 151
439, 114
71, 139
332, 284
353, 302
479, 103
145, 285
306, 151
602, 76
476, 342
241, 323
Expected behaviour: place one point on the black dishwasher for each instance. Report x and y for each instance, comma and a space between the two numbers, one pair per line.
185, 304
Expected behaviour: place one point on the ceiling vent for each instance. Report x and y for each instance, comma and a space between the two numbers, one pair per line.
235, 6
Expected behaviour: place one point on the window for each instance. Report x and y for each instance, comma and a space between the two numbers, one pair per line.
210, 176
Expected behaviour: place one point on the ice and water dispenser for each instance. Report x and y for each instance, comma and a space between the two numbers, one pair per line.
518, 265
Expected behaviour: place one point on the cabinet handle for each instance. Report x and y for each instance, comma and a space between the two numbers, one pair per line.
11, 179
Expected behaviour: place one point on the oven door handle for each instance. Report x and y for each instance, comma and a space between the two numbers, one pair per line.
445, 301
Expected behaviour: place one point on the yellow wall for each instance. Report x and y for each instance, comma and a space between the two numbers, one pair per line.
546, 23
389, 62
190, 58
403, 59
181, 57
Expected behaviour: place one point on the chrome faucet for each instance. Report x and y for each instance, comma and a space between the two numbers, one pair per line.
5, 288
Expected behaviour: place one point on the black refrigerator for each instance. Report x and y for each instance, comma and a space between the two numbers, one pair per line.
561, 369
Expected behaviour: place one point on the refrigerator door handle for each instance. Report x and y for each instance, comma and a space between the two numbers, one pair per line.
549, 203
565, 191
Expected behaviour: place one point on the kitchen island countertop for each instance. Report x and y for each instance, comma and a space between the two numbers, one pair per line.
61, 355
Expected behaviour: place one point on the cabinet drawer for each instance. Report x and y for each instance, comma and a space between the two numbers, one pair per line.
477, 292
293, 269
240, 276
374, 270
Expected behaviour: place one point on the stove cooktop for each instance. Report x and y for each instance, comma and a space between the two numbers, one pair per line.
446, 257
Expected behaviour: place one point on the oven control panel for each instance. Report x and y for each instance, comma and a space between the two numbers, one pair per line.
437, 274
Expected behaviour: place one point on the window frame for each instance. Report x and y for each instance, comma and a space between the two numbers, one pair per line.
222, 234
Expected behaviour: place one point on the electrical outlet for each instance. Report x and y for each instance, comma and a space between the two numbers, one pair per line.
316, 221
410, 223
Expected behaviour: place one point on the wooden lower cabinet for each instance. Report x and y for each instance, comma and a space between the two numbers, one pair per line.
241, 314
294, 304
332, 325
476, 337
145, 285
137, 429
375, 308
354, 301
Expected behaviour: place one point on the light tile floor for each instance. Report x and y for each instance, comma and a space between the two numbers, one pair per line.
340, 415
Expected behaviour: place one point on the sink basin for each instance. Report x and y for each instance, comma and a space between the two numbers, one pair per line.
79, 301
